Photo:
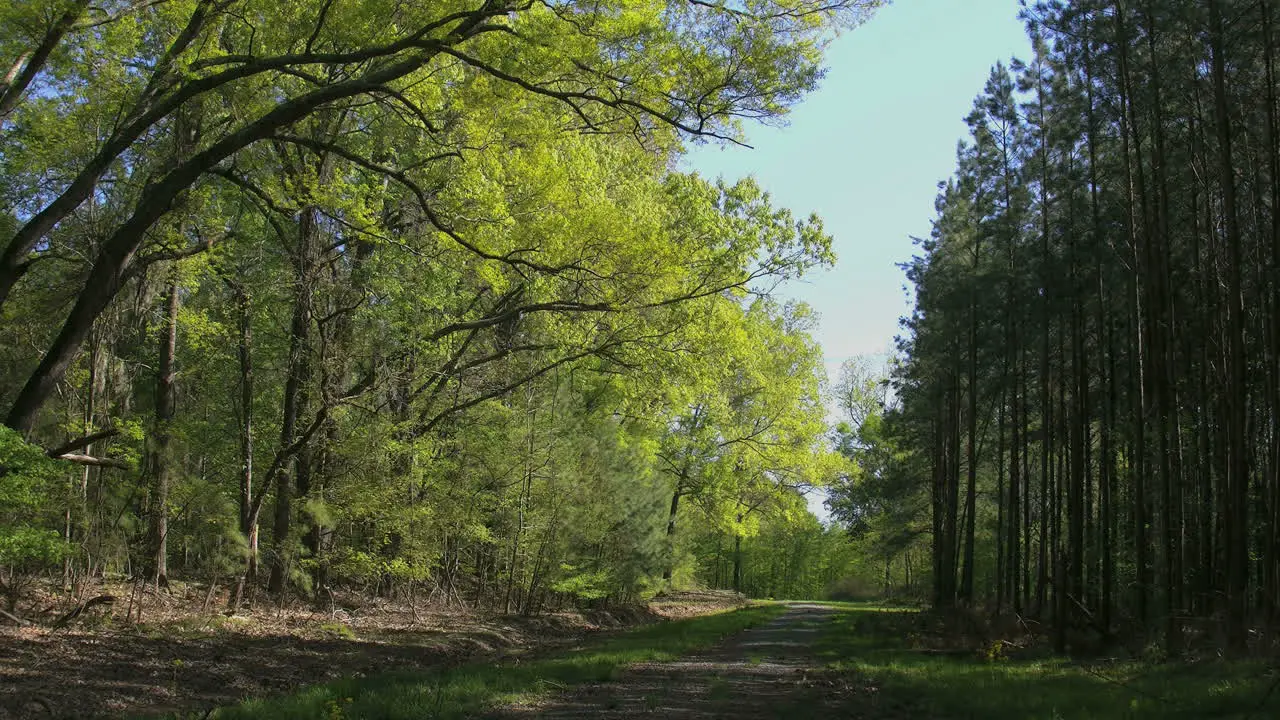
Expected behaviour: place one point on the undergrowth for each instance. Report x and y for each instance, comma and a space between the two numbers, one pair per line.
882, 650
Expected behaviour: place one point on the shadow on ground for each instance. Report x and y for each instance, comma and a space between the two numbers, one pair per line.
145, 671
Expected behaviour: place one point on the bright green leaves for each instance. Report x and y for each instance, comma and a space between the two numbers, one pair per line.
583, 585
752, 436
27, 485
508, 303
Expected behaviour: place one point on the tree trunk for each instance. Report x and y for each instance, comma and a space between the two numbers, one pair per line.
1237, 461
671, 532
737, 560
296, 399
29, 64
115, 261
161, 462
248, 509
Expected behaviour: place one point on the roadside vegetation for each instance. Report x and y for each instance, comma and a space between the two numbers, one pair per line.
896, 662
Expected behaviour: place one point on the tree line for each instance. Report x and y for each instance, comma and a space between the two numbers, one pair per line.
399, 296
1088, 396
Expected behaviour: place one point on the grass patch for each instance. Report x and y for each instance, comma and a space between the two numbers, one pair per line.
338, 630
458, 692
873, 646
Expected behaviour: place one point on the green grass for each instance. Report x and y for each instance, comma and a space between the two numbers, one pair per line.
458, 692
873, 646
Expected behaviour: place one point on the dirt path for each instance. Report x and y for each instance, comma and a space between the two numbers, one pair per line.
765, 672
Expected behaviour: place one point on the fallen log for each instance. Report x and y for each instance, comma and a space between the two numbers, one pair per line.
87, 604
20, 622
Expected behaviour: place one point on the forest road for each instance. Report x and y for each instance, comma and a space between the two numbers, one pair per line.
765, 672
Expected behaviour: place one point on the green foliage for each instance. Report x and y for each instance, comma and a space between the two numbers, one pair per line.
202, 524
878, 499
28, 486
445, 300
585, 586
789, 556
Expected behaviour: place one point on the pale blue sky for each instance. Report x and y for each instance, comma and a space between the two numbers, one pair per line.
867, 150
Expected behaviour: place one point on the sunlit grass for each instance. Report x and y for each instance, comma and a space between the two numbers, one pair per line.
874, 646
461, 691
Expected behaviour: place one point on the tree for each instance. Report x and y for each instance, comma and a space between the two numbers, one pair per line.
331, 269
211, 48
1125, 366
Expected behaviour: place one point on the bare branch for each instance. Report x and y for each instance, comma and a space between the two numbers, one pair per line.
82, 442
572, 97
324, 13
95, 461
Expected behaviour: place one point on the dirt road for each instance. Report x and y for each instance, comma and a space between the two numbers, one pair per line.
765, 672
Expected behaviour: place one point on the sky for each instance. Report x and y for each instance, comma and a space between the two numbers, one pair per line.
866, 152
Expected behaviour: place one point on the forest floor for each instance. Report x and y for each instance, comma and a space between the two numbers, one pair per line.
777, 660
185, 656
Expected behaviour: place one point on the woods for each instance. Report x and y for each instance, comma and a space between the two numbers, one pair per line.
400, 297
1087, 391
420, 299
343, 336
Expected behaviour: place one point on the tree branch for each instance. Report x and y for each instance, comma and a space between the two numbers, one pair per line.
94, 461
82, 442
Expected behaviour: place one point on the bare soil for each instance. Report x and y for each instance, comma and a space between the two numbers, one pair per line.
185, 656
